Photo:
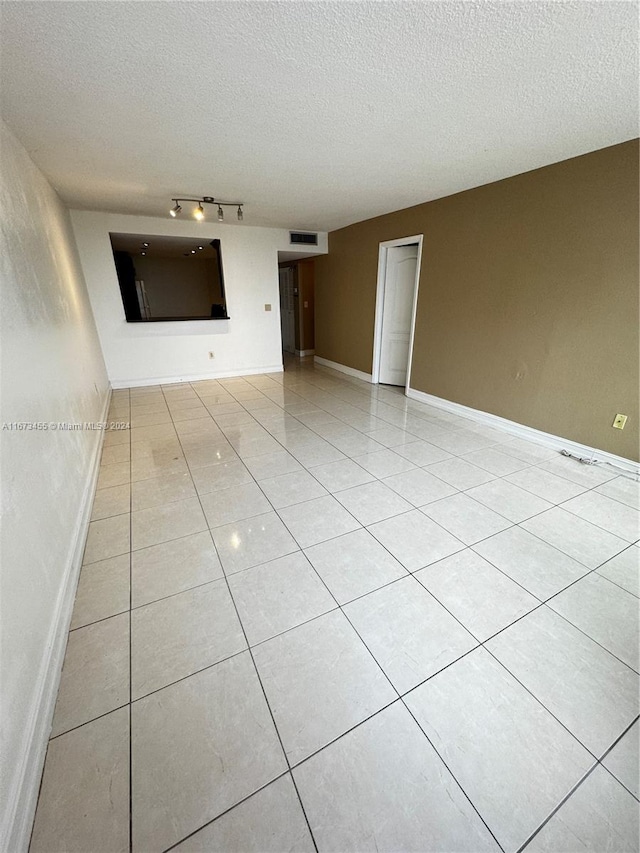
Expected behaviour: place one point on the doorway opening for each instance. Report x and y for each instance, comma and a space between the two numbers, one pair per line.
396, 300
296, 280
286, 276
168, 279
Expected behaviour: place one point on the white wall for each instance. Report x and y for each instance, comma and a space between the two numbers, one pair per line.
52, 370
164, 352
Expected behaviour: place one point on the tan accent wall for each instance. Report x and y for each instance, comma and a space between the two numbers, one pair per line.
306, 298
528, 299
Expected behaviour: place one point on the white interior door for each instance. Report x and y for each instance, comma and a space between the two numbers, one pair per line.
399, 289
287, 315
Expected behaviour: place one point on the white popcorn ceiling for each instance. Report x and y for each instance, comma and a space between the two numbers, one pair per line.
315, 114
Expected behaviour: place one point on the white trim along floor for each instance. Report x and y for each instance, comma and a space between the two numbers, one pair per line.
314, 614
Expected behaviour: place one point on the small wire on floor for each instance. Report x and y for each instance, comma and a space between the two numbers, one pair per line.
622, 472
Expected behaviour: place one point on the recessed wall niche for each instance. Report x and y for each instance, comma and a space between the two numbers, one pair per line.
168, 279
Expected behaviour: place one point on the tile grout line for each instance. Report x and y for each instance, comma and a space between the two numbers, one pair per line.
533, 695
370, 653
501, 477
239, 618
382, 671
481, 645
526, 467
557, 808
379, 480
415, 508
513, 524
301, 550
611, 748
226, 811
419, 508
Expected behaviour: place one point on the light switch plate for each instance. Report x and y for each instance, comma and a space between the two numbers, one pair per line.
267, 307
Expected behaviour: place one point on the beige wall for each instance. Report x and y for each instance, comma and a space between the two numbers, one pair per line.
528, 301
177, 287
306, 297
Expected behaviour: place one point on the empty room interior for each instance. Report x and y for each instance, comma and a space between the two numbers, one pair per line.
319, 450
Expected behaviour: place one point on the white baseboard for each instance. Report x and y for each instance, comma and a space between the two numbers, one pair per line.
195, 377
350, 371
302, 353
25, 792
530, 433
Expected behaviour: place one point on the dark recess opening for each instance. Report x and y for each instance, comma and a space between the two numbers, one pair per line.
168, 279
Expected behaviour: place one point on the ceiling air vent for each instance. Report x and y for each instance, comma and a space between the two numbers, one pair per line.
303, 238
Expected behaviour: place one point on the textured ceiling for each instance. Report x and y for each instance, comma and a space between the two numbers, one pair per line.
315, 114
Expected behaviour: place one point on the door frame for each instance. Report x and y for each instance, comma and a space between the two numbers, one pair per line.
377, 328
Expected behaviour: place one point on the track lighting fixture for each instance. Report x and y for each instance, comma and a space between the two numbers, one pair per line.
207, 199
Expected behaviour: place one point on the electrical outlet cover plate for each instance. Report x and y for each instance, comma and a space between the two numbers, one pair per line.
619, 421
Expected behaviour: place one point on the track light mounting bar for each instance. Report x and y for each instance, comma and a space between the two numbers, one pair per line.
206, 199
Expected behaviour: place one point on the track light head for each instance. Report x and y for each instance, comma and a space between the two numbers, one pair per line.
199, 213
220, 214
175, 210
240, 214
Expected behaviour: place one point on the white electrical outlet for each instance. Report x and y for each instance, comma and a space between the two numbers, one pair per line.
211, 355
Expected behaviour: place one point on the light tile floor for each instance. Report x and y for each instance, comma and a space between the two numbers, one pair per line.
314, 614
